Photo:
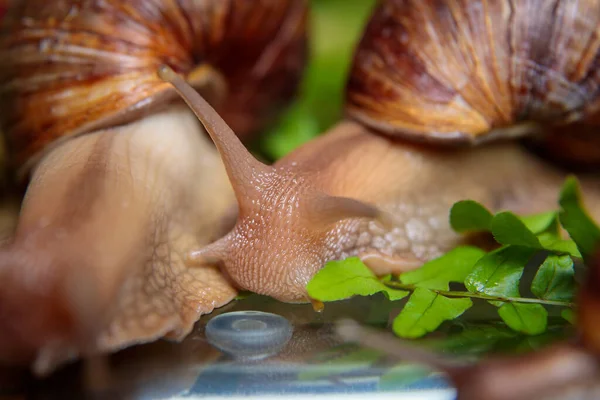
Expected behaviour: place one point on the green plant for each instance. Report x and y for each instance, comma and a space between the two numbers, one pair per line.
492, 276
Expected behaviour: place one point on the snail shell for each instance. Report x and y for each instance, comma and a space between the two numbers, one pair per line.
92, 64
457, 71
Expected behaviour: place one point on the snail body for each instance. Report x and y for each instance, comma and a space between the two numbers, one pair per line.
366, 188
110, 190
118, 170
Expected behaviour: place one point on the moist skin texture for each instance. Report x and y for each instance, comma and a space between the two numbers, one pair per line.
417, 186
289, 226
97, 260
352, 192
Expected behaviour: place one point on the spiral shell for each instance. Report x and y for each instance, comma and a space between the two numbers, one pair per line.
72, 66
463, 71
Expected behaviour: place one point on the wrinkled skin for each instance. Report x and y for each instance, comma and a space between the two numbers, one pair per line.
295, 216
97, 260
352, 192
416, 186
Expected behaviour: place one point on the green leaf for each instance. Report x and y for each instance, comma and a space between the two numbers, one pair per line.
569, 315
553, 243
530, 319
470, 216
539, 223
576, 220
453, 266
507, 229
425, 311
339, 280
554, 279
498, 272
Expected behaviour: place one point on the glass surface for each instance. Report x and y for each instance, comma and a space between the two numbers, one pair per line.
313, 363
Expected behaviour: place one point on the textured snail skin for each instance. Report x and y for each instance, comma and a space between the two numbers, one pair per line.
92, 64
449, 71
97, 260
352, 192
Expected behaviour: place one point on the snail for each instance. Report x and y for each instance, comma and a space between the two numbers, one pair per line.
122, 180
434, 88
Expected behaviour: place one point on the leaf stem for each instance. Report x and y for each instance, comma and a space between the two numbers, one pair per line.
447, 293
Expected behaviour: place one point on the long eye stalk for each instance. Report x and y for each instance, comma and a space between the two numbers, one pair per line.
243, 169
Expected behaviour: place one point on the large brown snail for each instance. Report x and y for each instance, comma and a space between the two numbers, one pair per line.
123, 182
428, 77
367, 188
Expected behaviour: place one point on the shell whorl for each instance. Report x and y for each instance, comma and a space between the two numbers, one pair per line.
72, 66
462, 71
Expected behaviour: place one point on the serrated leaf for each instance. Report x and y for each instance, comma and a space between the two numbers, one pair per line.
539, 223
530, 319
498, 272
425, 311
569, 315
339, 280
508, 229
575, 219
453, 266
555, 279
470, 216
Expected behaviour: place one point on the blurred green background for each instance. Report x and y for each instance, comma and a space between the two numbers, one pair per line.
335, 28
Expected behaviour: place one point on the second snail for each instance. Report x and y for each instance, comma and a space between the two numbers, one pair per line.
437, 96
